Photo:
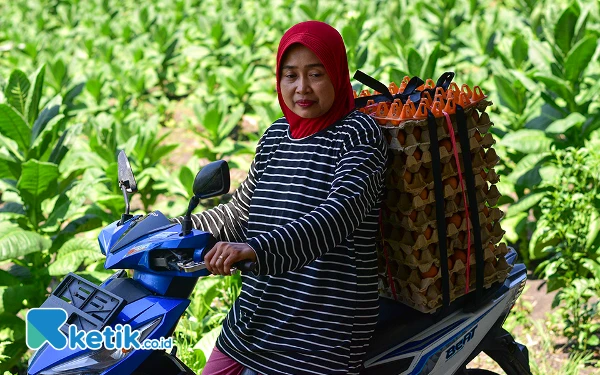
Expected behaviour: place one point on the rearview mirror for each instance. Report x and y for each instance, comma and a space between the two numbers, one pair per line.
126, 178
212, 180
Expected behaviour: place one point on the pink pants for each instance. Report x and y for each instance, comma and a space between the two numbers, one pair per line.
220, 364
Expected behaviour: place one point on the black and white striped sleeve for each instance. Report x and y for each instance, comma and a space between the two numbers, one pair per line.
355, 189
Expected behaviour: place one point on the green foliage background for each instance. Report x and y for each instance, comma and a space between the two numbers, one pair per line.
178, 82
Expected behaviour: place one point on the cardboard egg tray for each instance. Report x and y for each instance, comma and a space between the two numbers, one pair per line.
408, 251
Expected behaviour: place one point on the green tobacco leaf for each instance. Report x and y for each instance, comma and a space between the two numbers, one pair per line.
527, 141
14, 126
520, 49
16, 91
526, 164
72, 254
207, 342
40, 122
350, 35
579, 57
506, 93
12, 297
556, 85
414, 61
564, 29
525, 203
429, 68
38, 181
563, 125
512, 226
35, 94
16, 242
593, 237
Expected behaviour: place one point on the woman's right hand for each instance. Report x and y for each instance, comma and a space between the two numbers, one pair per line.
221, 258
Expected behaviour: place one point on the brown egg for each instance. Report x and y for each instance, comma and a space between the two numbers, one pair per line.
478, 136
428, 210
424, 172
447, 144
438, 284
452, 181
475, 115
483, 174
401, 137
417, 154
494, 261
424, 194
408, 177
431, 273
428, 232
486, 211
459, 254
453, 279
414, 235
417, 133
455, 219
450, 264
485, 187
491, 247
417, 254
413, 216
457, 199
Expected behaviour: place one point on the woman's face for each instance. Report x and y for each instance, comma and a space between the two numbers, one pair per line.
305, 86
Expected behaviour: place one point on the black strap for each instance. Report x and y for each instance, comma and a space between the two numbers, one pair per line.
410, 91
440, 210
463, 135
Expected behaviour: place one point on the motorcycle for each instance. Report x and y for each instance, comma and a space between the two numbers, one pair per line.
167, 261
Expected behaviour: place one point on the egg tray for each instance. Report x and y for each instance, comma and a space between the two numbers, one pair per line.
411, 138
419, 220
416, 158
422, 260
410, 123
408, 241
404, 180
429, 299
404, 202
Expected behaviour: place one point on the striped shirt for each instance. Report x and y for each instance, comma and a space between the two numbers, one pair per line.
309, 208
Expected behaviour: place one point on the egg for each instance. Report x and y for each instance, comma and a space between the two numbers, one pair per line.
438, 284
475, 115
401, 137
432, 247
453, 279
428, 232
459, 254
486, 211
417, 254
446, 144
431, 273
417, 133
408, 177
478, 136
455, 219
428, 210
424, 194
483, 174
413, 216
450, 264
452, 181
417, 154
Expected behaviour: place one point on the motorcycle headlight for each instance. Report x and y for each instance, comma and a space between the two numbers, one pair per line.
95, 362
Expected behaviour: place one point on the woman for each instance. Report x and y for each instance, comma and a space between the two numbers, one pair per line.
307, 215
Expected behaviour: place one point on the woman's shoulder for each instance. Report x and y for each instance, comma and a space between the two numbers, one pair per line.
359, 125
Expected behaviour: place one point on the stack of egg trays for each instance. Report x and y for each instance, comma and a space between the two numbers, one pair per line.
409, 252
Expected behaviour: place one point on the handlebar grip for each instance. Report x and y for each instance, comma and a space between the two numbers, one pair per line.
245, 266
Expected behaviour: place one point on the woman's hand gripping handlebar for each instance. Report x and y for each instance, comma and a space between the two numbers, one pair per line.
227, 256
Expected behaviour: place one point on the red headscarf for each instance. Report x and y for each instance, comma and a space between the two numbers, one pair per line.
325, 42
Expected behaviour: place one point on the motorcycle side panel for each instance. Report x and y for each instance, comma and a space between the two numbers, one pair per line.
443, 348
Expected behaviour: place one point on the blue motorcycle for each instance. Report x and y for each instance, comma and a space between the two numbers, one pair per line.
167, 260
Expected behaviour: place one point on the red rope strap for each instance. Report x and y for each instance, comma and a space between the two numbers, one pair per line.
464, 194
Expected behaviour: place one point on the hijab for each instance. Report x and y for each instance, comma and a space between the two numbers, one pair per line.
327, 44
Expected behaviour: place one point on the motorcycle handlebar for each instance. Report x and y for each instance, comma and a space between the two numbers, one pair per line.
245, 266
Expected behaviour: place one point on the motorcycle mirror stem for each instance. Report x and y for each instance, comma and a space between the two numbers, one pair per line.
186, 227
126, 216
